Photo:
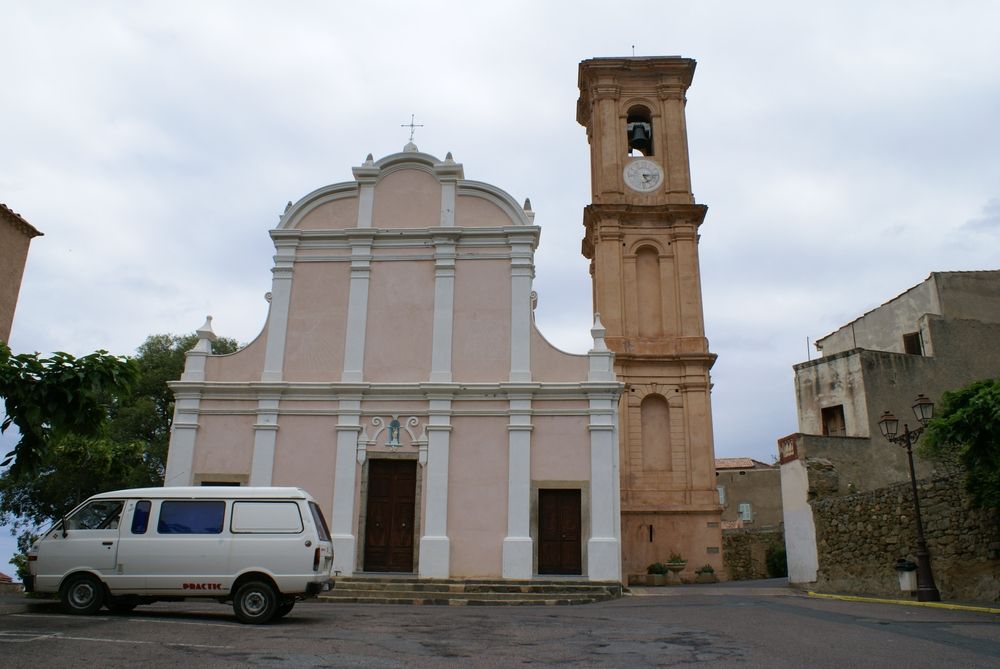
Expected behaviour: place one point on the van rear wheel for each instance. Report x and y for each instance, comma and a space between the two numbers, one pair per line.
255, 602
82, 594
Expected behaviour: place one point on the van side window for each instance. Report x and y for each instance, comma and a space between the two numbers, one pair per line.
191, 517
140, 517
266, 517
101, 514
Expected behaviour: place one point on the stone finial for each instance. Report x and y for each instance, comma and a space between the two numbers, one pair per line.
410, 147
288, 206
205, 331
448, 158
597, 332
527, 204
194, 363
369, 161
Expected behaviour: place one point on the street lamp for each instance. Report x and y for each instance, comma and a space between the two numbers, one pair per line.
923, 409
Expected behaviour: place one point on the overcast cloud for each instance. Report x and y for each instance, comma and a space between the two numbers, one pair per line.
844, 151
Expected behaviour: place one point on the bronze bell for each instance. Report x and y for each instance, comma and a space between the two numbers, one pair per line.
640, 137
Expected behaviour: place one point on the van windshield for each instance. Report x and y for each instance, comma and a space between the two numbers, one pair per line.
324, 531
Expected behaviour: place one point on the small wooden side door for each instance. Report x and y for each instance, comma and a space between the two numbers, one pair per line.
389, 516
559, 532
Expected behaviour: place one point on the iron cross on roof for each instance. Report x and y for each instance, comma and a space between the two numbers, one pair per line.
411, 125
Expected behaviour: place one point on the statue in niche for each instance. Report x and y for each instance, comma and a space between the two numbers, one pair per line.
392, 438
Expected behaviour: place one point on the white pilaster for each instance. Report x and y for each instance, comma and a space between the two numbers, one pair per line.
281, 294
366, 176
604, 545
435, 547
517, 545
444, 303
183, 434
344, 493
448, 173
265, 433
522, 271
357, 308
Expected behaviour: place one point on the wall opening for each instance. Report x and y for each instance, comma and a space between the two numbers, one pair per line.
912, 344
833, 421
639, 131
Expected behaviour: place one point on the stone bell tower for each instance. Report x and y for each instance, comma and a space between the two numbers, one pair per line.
641, 237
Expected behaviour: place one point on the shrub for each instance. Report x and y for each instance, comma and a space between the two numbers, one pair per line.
707, 569
657, 568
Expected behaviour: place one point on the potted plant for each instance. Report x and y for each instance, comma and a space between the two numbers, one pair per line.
706, 574
675, 565
657, 573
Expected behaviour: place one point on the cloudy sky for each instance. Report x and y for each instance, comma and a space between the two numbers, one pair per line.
844, 150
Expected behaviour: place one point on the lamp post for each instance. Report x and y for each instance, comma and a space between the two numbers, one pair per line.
923, 409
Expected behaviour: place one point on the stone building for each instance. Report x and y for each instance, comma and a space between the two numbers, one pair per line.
642, 240
15, 238
939, 335
749, 491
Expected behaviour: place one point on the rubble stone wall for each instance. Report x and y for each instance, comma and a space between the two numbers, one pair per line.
860, 537
744, 551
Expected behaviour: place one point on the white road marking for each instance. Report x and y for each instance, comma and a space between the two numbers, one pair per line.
38, 636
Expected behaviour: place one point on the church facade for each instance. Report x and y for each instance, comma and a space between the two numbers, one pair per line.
400, 379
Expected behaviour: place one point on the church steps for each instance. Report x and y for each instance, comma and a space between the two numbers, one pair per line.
475, 592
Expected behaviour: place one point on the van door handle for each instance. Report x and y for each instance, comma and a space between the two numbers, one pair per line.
107, 543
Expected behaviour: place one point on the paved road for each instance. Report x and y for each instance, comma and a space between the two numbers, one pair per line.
703, 627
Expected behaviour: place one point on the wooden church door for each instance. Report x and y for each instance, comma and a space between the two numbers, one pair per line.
389, 516
559, 527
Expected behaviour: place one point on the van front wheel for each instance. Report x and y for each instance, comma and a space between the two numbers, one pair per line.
255, 602
82, 594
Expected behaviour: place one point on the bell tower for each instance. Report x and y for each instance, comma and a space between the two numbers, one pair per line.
641, 237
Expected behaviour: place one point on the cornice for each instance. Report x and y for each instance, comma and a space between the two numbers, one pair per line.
18, 222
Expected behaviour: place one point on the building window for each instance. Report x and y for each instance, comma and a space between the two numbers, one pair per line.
833, 421
722, 494
912, 344
746, 512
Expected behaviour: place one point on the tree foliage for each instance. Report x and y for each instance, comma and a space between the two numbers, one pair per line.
146, 414
48, 398
966, 429
87, 425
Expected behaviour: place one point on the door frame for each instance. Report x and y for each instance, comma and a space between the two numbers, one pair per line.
418, 507
584, 488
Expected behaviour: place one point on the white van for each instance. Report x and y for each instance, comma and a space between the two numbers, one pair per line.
260, 548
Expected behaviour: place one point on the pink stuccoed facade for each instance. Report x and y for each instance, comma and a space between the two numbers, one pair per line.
400, 379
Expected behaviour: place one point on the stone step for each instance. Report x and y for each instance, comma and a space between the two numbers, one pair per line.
472, 592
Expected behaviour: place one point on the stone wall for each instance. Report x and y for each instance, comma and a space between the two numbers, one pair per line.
859, 538
744, 551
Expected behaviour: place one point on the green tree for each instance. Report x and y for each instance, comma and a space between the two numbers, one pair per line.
966, 430
146, 414
49, 398
122, 443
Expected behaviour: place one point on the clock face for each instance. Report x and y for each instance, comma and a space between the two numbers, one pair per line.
643, 175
